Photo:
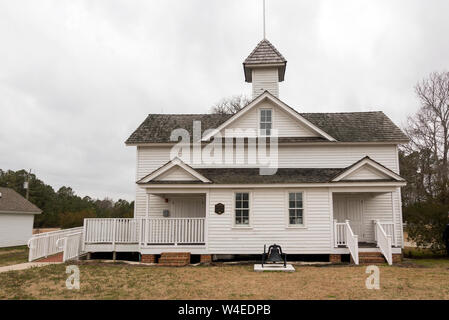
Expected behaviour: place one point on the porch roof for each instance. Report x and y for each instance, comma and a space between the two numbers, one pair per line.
252, 176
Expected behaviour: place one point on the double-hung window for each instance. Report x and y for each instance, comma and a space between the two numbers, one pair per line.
295, 209
242, 209
266, 122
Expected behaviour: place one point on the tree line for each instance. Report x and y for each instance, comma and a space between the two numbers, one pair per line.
424, 164
63, 208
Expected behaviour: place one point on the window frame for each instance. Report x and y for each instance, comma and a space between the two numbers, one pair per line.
242, 226
260, 122
304, 209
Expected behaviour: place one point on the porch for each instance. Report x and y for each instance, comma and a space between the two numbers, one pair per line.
135, 234
365, 222
175, 220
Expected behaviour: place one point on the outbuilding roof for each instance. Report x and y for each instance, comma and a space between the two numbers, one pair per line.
12, 202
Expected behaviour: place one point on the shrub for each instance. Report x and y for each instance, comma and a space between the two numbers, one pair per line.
425, 224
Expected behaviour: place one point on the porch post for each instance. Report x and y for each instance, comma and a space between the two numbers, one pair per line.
394, 218
147, 215
332, 221
335, 237
206, 220
147, 210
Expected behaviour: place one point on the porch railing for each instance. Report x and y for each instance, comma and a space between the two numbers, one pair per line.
113, 231
352, 241
72, 246
45, 244
339, 234
145, 231
383, 241
343, 236
172, 231
389, 230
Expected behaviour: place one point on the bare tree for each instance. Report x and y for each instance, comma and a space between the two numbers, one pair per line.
230, 105
428, 130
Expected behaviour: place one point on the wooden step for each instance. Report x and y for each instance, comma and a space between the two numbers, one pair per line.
371, 258
376, 253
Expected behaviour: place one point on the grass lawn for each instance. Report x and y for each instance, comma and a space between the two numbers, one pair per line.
409, 280
13, 255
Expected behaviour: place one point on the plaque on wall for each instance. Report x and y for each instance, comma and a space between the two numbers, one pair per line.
219, 208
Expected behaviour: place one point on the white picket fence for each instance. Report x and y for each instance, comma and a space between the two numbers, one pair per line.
46, 244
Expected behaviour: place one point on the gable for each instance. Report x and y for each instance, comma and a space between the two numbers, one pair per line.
174, 170
248, 118
176, 174
366, 172
284, 123
367, 169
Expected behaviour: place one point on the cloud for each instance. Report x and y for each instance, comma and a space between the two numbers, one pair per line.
77, 77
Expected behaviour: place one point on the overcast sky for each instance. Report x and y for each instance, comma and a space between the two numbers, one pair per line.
77, 77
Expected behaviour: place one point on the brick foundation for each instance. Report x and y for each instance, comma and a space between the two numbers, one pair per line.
54, 258
397, 258
174, 259
148, 258
206, 258
335, 258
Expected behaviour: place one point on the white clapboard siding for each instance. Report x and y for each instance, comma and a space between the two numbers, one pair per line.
179, 206
148, 160
301, 156
285, 125
265, 79
15, 229
269, 224
151, 158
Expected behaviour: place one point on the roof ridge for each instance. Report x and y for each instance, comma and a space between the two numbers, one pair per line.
344, 112
179, 114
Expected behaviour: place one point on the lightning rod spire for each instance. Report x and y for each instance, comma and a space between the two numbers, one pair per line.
264, 21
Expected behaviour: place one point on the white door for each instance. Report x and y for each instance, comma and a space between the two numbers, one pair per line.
188, 208
350, 208
355, 216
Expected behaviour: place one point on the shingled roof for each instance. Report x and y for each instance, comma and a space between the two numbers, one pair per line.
344, 127
157, 128
12, 202
252, 176
264, 54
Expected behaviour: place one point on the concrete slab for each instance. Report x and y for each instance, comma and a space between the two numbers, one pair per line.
274, 267
23, 266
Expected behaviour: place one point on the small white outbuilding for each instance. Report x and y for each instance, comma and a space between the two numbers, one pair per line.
16, 218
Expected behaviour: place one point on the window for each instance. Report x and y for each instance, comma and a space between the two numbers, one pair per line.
242, 209
266, 122
295, 209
